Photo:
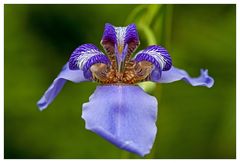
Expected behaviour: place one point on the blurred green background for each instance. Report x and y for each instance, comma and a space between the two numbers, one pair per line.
193, 122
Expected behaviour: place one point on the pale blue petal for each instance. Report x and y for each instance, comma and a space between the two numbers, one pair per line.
124, 115
175, 74
75, 76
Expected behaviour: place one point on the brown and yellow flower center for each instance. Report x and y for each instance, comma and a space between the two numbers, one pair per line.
133, 73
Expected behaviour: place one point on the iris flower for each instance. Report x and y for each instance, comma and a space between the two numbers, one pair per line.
119, 110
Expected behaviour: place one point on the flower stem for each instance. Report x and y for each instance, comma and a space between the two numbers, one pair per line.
151, 13
168, 25
133, 15
148, 33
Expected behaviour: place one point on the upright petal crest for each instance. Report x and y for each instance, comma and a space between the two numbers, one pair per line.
116, 38
119, 43
109, 39
131, 38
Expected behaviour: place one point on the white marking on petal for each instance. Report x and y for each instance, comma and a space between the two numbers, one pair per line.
85, 56
157, 55
121, 33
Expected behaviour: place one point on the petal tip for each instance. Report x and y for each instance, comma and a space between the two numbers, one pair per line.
125, 145
175, 74
42, 105
209, 81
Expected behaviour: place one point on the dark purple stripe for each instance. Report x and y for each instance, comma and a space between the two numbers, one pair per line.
131, 34
77, 52
109, 34
91, 61
131, 38
161, 51
146, 57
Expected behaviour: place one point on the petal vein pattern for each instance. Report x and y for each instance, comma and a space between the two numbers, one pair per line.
124, 115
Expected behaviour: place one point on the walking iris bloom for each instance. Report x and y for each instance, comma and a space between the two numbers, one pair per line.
119, 110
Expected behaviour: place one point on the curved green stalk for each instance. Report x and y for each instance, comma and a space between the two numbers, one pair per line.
133, 15
168, 25
148, 33
151, 13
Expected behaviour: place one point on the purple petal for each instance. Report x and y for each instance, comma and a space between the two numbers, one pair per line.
124, 115
66, 74
115, 39
158, 56
109, 39
84, 57
175, 74
131, 38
